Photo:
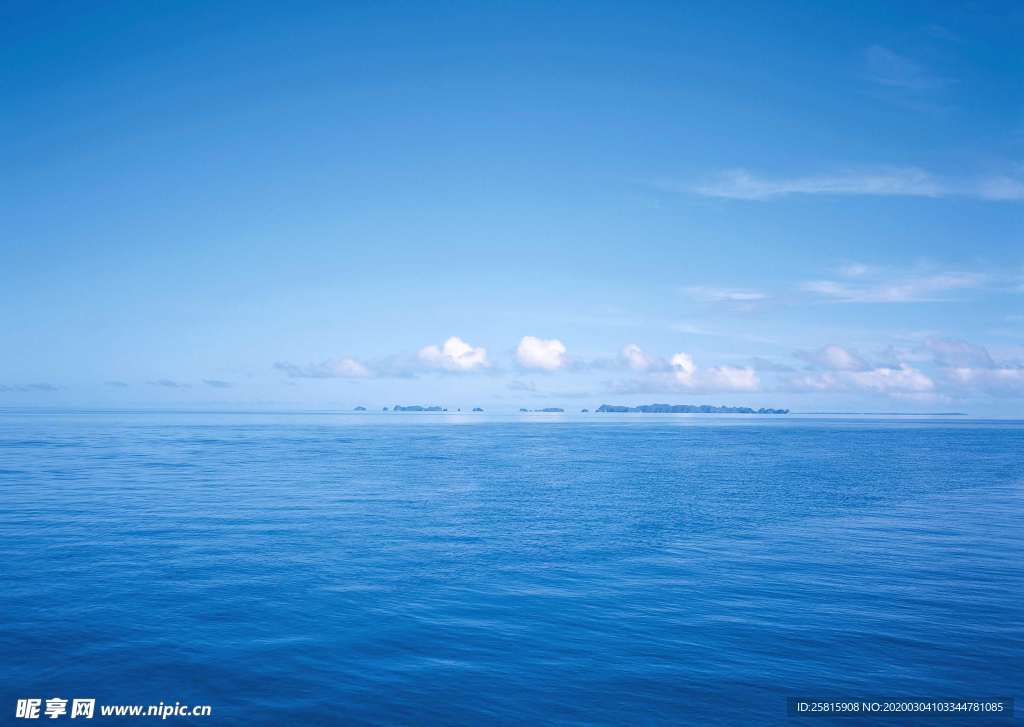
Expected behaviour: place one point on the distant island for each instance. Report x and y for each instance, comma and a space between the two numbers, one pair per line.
415, 408
549, 409
688, 409
360, 408
584, 411
476, 408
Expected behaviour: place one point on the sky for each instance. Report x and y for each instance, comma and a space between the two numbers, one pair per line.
815, 206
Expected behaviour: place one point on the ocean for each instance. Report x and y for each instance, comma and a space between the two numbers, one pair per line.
478, 569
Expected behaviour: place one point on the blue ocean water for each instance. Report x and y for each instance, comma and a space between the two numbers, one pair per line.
470, 569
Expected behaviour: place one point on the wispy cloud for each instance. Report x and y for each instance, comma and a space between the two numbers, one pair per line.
887, 68
761, 364
346, 368
941, 33
41, 386
947, 352
922, 288
717, 294
887, 182
833, 358
632, 358
218, 384
117, 384
167, 383
522, 386
904, 379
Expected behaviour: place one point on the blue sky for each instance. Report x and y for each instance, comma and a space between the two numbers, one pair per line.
515, 205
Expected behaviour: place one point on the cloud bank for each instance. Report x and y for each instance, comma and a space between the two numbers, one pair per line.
936, 369
960, 367
680, 375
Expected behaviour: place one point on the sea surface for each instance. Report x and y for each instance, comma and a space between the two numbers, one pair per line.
470, 569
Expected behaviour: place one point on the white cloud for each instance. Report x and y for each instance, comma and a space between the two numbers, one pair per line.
961, 367
730, 378
907, 290
947, 352
683, 369
905, 379
455, 355
888, 182
346, 368
716, 294
964, 366
682, 376
762, 364
543, 355
1002, 380
890, 69
834, 358
854, 270
637, 360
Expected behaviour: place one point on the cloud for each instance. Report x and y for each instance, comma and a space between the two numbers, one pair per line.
941, 33
947, 352
681, 375
966, 367
854, 270
456, 355
833, 358
1003, 380
730, 378
217, 384
524, 386
42, 386
529, 387
168, 384
887, 181
118, 384
633, 358
960, 367
889, 357
884, 67
537, 354
717, 294
761, 364
346, 368
917, 290
905, 379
